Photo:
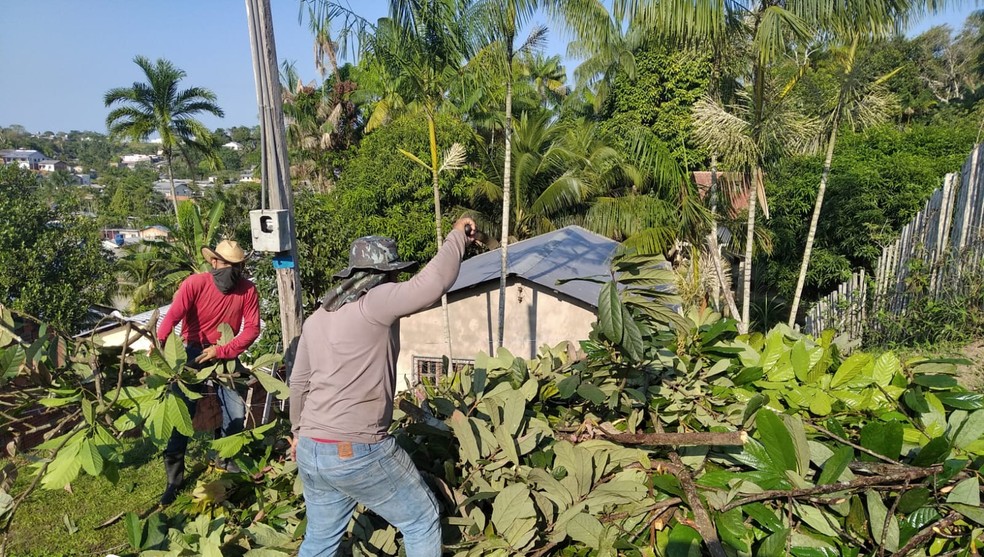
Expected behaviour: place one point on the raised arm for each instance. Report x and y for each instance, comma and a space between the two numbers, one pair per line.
179, 306
386, 305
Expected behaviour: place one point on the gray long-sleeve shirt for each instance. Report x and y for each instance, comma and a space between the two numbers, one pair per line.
342, 387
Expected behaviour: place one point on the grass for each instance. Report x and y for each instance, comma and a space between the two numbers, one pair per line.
57, 523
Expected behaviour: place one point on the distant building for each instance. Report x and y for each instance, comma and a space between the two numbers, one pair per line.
83, 179
233, 146
156, 232
131, 161
52, 165
182, 189
24, 158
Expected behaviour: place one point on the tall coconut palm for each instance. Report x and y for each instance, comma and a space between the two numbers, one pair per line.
158, 105
502, 21
859, 103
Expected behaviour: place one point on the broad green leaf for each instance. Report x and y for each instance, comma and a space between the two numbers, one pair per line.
64, 468
610, 312
631, 336
179, 416
586, 529
915, 401
821, 404
754, 403
877, 513
835, 465
886, 366
774, 545
973, 512
970, 431
134, 530
90, 459
935, 381
817, 519
11, 360
934, 421
963, 401
776, 439
579, 465
882, 438
913, 499
764, 516
731, 528
465, 434
934, 452
174, 352
514, 515
592, 393
271, 384
851, 369
230, 445
794, 425
508, 445
967, 492
226, 334
684, 542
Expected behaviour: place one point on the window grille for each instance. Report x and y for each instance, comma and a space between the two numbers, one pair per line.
428, 366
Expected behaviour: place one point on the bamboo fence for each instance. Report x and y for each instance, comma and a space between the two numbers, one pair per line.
938, 253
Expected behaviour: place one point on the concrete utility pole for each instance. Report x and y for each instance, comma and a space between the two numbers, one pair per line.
275, 167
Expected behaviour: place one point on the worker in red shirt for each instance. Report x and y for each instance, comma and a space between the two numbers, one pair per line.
202, 303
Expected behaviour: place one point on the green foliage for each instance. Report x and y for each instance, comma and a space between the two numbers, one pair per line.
862, 451
51, 263
878, 182
660, 98
380, 192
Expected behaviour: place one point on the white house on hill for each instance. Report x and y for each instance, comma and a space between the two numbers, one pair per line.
24, 158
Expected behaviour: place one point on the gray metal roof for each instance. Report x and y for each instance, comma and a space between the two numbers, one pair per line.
571, 252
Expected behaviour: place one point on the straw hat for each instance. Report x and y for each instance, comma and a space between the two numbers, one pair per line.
227, 250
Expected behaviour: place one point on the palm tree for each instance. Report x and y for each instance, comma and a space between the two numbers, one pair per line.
159, 106
424, 43
859, 103
503, 19
771, 28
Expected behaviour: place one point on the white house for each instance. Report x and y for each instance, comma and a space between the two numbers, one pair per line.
24, 158
234, 146
539, 311
52, 165
131, 161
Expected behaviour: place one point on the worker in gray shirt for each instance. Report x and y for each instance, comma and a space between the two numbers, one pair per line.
342, 390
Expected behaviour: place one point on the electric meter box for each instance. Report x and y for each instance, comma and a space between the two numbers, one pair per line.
271, 230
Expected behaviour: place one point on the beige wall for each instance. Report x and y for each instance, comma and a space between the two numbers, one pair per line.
534, 316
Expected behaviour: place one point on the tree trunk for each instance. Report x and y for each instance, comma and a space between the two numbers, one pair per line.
746, 288
712, 242
811, 235
174, 195
432, 132
506, 175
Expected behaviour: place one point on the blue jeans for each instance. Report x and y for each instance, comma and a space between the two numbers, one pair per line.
380, 476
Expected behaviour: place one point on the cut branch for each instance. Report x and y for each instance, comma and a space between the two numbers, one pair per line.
906, 475
927, 532
729, 439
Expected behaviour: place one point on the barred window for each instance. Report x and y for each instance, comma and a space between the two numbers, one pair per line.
428, 366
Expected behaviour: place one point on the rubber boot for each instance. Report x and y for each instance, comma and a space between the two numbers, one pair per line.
174, 466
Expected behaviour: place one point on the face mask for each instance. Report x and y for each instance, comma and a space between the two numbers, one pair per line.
225, 279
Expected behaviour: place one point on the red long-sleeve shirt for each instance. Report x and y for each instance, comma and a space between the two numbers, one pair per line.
203, 307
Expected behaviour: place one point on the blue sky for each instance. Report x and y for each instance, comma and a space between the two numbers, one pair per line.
58, 57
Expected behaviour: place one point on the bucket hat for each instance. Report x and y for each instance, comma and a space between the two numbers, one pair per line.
227, 250
374, 253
